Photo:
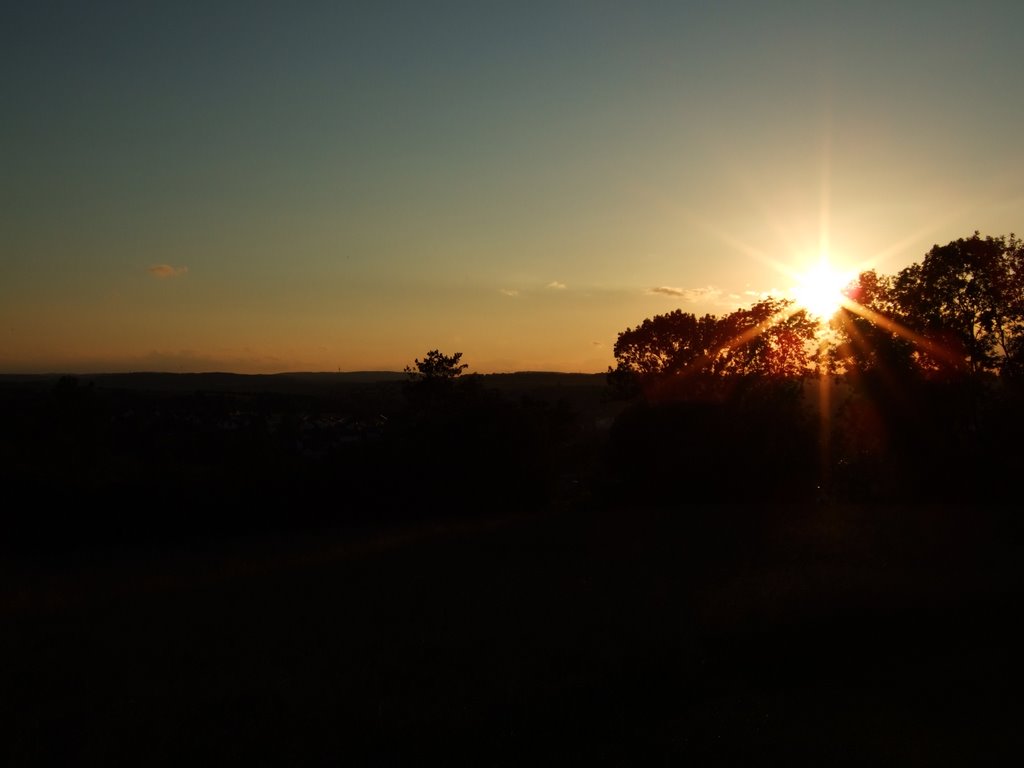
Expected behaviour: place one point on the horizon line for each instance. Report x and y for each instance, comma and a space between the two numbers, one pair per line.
279, 373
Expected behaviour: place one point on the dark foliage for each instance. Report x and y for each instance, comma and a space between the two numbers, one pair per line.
95, 468
756, 447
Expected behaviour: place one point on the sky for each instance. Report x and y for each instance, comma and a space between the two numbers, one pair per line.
263, 187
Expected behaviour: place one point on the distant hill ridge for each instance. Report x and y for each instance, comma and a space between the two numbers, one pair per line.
285, 382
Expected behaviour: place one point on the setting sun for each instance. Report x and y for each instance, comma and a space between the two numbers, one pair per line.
820, 288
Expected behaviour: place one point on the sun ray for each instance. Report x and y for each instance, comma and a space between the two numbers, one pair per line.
745, 248
740, 339
935, 350
764, 325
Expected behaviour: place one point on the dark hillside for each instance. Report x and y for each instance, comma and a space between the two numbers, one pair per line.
504, 570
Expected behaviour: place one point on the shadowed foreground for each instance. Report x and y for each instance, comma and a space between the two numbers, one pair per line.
621, 636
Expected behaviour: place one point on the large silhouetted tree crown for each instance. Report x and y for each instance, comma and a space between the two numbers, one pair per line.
436, 367
960, 311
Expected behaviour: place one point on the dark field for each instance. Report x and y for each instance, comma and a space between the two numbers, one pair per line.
594, 627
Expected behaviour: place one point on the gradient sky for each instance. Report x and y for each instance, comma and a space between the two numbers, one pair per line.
257, 187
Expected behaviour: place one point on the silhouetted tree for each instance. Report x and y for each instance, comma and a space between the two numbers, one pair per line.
924, 353
666, 351
667, 344
770, 339
863, 344
967, 297
437, 366
432, 380
456, 432
679, 354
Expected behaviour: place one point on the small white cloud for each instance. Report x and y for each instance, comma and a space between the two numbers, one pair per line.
509, 292
554, 284
163, 271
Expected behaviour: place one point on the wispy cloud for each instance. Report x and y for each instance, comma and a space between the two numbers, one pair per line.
708, 293
554, 284
509, 292
668, 290
163, 271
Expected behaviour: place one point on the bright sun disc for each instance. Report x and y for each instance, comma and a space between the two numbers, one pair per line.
820, 289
